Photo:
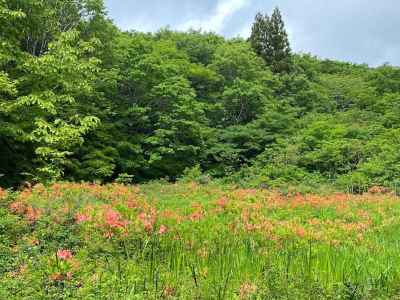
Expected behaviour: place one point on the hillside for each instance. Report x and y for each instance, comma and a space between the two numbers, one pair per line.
81, 100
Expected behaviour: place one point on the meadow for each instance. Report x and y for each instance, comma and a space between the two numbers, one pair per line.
192, 241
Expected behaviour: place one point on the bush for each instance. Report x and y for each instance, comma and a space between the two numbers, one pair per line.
195, 174
124, 178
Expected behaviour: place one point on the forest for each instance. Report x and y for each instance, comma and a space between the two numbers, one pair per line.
81, 100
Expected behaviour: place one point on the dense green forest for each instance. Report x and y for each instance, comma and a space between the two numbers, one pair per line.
82, 100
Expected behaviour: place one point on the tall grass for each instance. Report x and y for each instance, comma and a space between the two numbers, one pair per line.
189, 241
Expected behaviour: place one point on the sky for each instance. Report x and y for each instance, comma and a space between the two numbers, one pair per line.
358, 31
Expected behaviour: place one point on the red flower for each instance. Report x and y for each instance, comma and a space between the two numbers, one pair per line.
64, 254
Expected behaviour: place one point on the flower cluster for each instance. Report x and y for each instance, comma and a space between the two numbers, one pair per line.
30, 213
148, 220
64, 254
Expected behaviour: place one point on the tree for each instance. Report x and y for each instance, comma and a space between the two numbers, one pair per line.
177, 139
46, 19
259, 37
269, 40
43, 112
243, 101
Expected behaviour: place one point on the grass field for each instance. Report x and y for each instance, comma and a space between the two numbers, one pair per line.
190, 241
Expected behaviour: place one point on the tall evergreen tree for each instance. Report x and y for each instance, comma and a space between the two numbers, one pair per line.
258, 38
269, 39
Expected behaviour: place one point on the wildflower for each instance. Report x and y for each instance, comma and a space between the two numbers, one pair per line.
64, 254
196, 216
114, 220
132, 203
300, 231
148, 226
56, 190
222, 202
163, 229
148, 220
24, 195
32, 214
80, 218
18, 207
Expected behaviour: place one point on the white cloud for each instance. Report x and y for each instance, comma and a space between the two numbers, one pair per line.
216, 22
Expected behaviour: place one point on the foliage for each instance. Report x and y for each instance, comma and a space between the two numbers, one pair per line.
270, 41
83, 101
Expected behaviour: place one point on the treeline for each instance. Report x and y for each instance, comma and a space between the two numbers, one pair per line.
82, 100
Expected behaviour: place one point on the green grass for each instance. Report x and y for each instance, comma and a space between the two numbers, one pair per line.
189, 241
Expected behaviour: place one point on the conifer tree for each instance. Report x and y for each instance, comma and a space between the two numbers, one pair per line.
258, 38
269, 40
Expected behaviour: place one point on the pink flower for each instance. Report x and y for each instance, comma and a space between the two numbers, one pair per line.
222, 202
64, 254
80, 218
196, 216
148, 226
163, 229
148, 220
114, 219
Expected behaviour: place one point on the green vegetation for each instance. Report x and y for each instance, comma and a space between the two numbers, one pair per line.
191, 241
81, 100
194, 145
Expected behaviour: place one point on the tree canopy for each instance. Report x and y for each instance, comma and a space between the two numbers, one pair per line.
82, 100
